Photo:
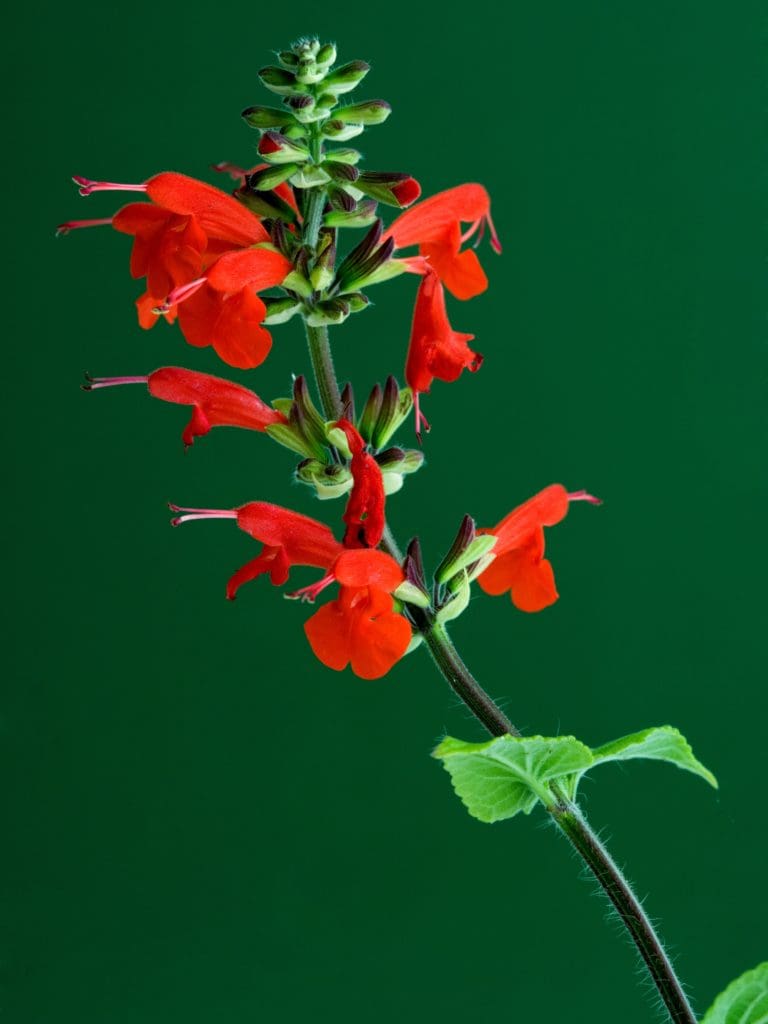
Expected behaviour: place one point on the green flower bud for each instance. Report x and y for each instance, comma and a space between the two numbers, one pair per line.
279, 81
370, 414
409, 593
357, 301
306, 418
288, 59
309, 177
329, 481
289, 437
322, 273
277, 149
279, 311
271, 177
343, 156
266, 204
458, 601
466, 549
298, 283
267, 117
368, 112
341, 132
326, 55
362, 216
347, 77
395, 406
329, 313
390, 187
336, 437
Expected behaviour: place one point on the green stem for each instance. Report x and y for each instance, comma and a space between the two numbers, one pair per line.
565, 814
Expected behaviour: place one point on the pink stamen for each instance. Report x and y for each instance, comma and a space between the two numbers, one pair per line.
200, 513
584, 496
86, 186
495, 243
71, 225
311, 592
420, 417
93, 383
178, 295
225, 167
471, 230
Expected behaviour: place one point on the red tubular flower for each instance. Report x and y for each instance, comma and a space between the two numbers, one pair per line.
435, 349
435, 226
519, 565
364, 514
360, 627
215, 402
190, 226
222, 309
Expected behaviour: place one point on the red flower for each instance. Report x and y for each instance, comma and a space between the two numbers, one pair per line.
215, 402
435, 226
360, 627
194, 240
435, 349
519, 565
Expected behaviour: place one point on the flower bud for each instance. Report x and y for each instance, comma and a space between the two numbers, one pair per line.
279, 80
343, 174
277, 149
299, 283
290, 437
413, 568
328, 313
457, 602
348, 403
361, 216
347, 77
322, 273
309, 177
267, 117
343, 156
395, 406
389, 187
368, 112
341, 132
326, 55
271, 177
364, 260
288, 59
467, 548
409, 593
265, 204
329, 481
305, 417
279, 311
370, 414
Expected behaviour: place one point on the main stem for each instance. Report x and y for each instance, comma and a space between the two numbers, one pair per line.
564, 812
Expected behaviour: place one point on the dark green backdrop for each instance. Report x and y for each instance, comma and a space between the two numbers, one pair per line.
206, 825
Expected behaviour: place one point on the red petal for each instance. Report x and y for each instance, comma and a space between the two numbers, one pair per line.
219, 215
254, 268
529, 579
460, 272
427, 221
435, 349
363, 567
546, 508
306, 542
271, 560
232, 324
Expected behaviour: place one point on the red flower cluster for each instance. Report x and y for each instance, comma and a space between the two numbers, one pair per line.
204, 257
360, 626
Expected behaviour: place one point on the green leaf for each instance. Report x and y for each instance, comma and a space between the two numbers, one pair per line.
663, 743
509, 774
745, 1001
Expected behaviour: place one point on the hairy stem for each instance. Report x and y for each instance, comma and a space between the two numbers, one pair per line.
565, 814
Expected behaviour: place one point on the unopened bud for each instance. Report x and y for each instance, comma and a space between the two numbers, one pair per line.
322, 273
277, 149
341, 132
347, 77
267, 117
289, 436
361, 216
342, 174
466, 549
288, 59
299, 283
266, 204
409, 593
395, 407
326, 55
279, 81
389, 187
459, 599
329, 481
309, 176
271, 177
368, 112
305, 415
279, 311
343, 156
348, 403
370, 414
329, 313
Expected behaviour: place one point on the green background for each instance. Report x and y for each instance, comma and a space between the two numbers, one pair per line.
204, 823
